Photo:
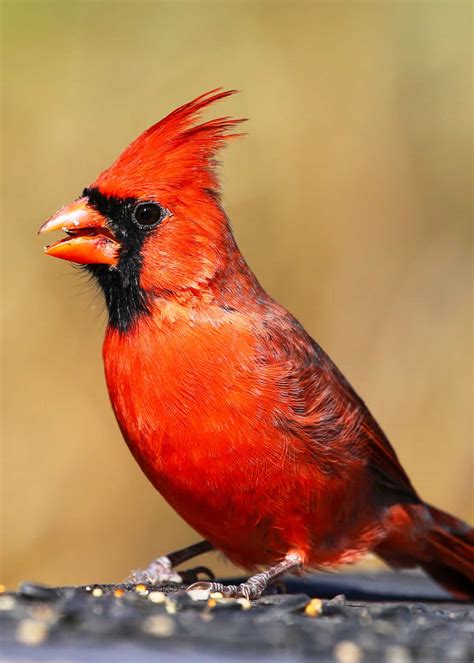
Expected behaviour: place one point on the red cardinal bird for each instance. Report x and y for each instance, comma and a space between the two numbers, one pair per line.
236, 416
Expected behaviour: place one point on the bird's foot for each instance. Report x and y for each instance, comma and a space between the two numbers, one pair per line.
158, 572
161, 571
252, 589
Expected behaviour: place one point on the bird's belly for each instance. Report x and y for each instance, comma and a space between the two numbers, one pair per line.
196, 419
255, 509
201, 426
240, 503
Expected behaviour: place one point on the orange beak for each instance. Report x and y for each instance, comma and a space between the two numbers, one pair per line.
89, 240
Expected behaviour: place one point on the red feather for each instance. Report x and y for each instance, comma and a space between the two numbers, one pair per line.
174, 152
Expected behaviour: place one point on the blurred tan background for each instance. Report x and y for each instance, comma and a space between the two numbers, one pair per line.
350, 197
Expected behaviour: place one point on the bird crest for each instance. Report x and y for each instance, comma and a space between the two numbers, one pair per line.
175, 152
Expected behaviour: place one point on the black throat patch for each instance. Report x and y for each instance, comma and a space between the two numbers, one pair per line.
126, 300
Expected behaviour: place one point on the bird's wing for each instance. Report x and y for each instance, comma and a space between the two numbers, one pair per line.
322, 406
383, 460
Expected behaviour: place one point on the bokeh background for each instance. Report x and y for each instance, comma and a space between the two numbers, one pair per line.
350, 197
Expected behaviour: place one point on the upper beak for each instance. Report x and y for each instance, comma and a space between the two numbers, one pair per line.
89, 240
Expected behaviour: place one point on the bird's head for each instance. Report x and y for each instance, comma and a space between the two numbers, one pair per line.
152, 223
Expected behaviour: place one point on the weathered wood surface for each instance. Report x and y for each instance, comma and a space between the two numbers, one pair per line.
392, 618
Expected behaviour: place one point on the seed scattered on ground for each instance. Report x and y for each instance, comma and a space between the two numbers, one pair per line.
31, 632
347, 652
314, 608
170, 607
199, 594
157, 597
397, 654
7, 602
159, 625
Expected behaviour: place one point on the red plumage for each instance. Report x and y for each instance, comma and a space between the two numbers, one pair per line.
173, 153
233, 412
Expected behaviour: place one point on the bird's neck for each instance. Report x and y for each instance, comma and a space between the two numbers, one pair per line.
235, 285
128, 302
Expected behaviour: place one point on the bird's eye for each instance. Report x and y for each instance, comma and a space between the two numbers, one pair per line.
148, 214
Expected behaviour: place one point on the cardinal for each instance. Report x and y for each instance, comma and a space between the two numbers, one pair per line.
233, 412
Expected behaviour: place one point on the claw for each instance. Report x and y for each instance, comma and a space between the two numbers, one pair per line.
143, 577
159, 572
253, 588
202, 590
247, 590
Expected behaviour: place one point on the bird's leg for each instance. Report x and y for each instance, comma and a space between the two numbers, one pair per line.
255, 585
162, 569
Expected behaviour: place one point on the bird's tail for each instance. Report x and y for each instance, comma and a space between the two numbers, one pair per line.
421, 535
451, 544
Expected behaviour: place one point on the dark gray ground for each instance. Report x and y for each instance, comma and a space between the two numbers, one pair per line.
392, 618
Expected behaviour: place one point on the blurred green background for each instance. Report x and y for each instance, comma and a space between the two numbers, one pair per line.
350, 197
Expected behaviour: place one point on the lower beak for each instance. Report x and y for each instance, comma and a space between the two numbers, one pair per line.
89, 240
